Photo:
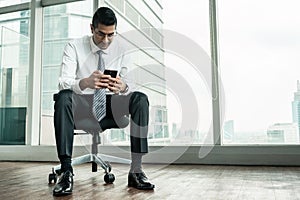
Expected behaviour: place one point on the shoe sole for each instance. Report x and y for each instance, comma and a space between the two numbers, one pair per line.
61, 194
151, 187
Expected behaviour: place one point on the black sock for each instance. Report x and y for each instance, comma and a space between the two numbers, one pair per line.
136, 163
66, 163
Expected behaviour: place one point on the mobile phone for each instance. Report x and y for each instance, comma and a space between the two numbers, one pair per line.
112, 73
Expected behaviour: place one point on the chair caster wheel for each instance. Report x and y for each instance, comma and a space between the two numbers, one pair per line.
52, 177
109, 178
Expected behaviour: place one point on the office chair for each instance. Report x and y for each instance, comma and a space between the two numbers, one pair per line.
92, 126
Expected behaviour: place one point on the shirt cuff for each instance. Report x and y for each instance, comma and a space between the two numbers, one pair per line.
125, 92
76, 87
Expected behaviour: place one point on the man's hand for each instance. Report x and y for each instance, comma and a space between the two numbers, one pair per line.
116, 85
96, 80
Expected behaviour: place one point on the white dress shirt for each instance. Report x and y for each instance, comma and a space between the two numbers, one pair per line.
80, 60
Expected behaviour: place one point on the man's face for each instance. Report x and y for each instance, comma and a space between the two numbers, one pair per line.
103, 35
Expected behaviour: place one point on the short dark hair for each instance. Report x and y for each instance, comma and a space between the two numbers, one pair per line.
105, 16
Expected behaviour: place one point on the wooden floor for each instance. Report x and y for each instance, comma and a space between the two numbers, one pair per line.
29, 180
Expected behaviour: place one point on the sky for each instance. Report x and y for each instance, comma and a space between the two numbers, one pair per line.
179, 19
259, 63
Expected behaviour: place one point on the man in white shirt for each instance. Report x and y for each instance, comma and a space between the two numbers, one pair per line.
80, 80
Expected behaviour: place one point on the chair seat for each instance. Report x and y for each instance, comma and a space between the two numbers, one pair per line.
88, 124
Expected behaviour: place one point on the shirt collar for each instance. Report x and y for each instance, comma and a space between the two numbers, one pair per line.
95, 48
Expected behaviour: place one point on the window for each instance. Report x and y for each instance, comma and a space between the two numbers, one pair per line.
14, 68
259, 47
189, 103
61, 24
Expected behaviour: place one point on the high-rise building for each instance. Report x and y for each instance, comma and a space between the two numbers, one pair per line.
286, 133
296, 106
228, 129
295, 103
158, 128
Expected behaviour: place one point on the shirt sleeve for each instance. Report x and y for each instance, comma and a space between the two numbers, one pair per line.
67, 79
126, 74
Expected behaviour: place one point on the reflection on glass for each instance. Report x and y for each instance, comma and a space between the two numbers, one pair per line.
61, 23
13, 83
259, 51
65, 22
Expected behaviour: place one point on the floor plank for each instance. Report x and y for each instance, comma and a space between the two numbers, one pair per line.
29, 180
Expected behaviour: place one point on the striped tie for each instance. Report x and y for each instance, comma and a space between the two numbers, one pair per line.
99, 101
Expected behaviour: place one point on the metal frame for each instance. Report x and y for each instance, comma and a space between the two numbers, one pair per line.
97, 159
14, 8
215, 75
278, 155
45, 3
35, 73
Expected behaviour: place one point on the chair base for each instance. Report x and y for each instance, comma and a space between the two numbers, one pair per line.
96, 159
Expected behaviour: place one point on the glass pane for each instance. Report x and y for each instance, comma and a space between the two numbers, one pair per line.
61, 24
190, 27
259, 62
14, 67
136, 20
163, 72
154, 66
4, 3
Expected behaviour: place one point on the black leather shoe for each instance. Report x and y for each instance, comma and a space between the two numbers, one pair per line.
139, 181
64, 185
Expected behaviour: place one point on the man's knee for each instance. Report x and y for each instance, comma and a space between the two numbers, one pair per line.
63, 98
139, 98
